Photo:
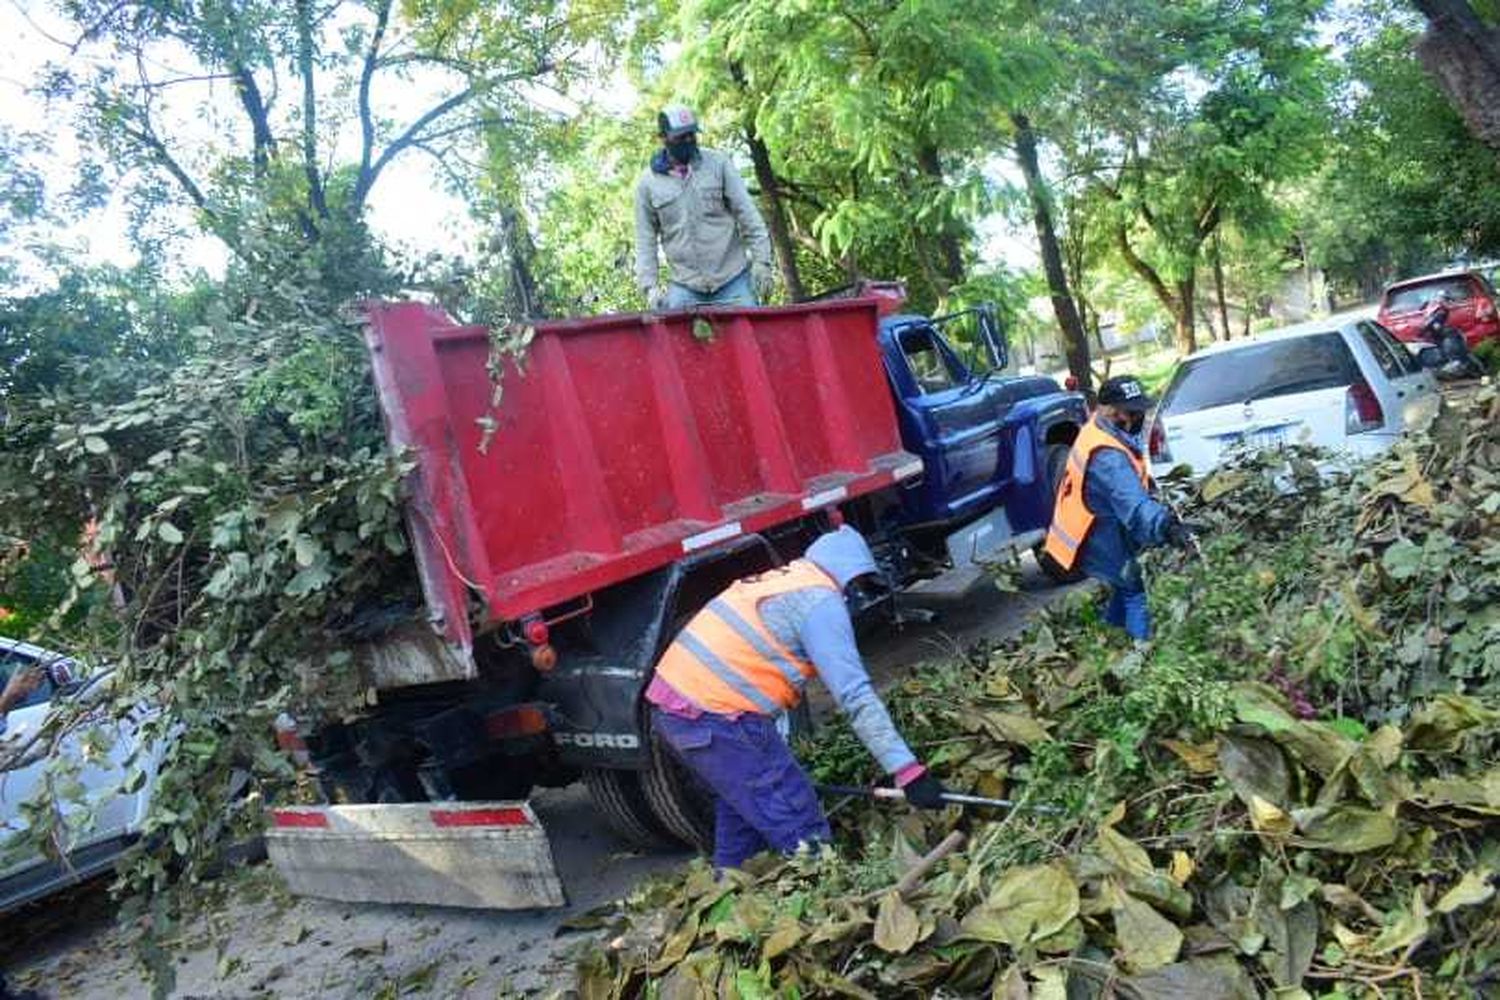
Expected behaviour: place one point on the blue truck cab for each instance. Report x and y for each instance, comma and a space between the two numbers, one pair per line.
993, 446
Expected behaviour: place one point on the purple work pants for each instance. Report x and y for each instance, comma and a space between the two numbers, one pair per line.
762, 797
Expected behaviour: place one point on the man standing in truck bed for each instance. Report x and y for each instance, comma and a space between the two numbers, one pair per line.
695, 203
743, 660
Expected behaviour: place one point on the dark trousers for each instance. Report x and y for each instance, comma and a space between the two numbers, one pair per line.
763, 798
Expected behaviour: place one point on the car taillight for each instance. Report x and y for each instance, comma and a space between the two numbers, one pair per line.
1362, 410
1485, 310
1156, 443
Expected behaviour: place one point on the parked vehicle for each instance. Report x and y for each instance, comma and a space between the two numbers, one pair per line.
1473, 306
1347, 386
637, 467
105, 820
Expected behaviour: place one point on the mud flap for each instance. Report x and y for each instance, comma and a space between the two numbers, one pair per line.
482, 855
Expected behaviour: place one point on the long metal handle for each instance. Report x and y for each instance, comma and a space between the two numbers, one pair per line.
957, 798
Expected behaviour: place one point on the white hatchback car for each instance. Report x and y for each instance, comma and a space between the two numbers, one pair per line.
106, 818
1343, 384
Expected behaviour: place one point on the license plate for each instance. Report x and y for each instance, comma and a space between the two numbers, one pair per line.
1268, 439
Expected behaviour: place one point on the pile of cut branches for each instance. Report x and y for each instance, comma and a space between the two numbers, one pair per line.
1292, 791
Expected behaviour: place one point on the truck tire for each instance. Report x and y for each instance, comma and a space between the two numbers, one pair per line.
681, 803
618, 795
1056, 464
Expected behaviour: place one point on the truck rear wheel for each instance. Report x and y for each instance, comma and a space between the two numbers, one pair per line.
1056, 465
622, 800
682, 803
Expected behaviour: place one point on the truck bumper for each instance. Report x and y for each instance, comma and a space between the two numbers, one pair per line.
482, 855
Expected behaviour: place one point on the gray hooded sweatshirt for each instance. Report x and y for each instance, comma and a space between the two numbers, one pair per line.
815, 625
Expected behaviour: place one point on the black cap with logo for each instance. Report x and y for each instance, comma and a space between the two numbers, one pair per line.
1126, 392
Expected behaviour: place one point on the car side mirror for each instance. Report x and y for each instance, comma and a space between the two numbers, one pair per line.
1430, 357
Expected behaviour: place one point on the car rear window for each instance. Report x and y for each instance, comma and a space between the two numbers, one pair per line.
1261, 371
1413, 297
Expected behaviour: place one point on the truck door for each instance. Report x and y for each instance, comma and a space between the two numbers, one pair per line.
951, 417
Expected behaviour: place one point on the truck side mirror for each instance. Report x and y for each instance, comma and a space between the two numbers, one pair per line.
1430, 357
994, 339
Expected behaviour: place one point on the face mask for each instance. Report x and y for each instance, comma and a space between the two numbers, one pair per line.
683, 150
1133, 423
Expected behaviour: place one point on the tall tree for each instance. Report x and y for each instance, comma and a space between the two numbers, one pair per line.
1187, 114
1064, 306
269, 151
1462, 51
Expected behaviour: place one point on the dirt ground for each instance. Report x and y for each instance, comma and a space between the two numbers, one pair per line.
265, 943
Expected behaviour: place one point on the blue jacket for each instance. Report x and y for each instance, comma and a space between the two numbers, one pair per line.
1126, 519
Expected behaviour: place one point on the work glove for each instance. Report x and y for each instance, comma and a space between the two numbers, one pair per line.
1181, 534
925, 792
764, 280
656, 298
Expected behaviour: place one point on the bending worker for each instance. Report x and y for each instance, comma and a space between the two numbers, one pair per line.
743, 660
1104, 512
694, 202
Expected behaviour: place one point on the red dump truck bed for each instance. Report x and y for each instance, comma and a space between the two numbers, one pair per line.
625, 443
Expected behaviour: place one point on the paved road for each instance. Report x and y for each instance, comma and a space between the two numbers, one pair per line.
266, 944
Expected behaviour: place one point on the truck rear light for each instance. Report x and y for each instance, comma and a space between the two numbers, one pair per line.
1362, 410
512, 723
1157, 443
544, 658
536, 632
1485, 310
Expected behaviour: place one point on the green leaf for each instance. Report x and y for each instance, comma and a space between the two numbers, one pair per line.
896, 925
1443, 722
95, 445
1403, 560
1474, 888
1346, 829
1027, 904
1210, 978
169, 533
1404, 929
1122, 852
308, 580
1147, 940
1255, 768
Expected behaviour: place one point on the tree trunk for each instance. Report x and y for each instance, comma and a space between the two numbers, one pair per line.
1186, 335
1219, 286
776, 214
1463, 54
1075, 339
520, 285
950, 247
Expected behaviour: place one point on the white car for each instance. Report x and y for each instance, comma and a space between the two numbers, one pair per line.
1343, 384
106, 819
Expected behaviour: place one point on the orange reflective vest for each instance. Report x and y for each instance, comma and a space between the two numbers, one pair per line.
726, 660
1071, 517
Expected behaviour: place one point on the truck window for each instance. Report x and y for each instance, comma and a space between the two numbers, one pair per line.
932, 367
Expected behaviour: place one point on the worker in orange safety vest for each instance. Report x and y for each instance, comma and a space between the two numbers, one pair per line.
1104, 513
745, 659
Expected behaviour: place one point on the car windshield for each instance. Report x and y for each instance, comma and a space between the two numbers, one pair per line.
1261, 371
1413, 297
